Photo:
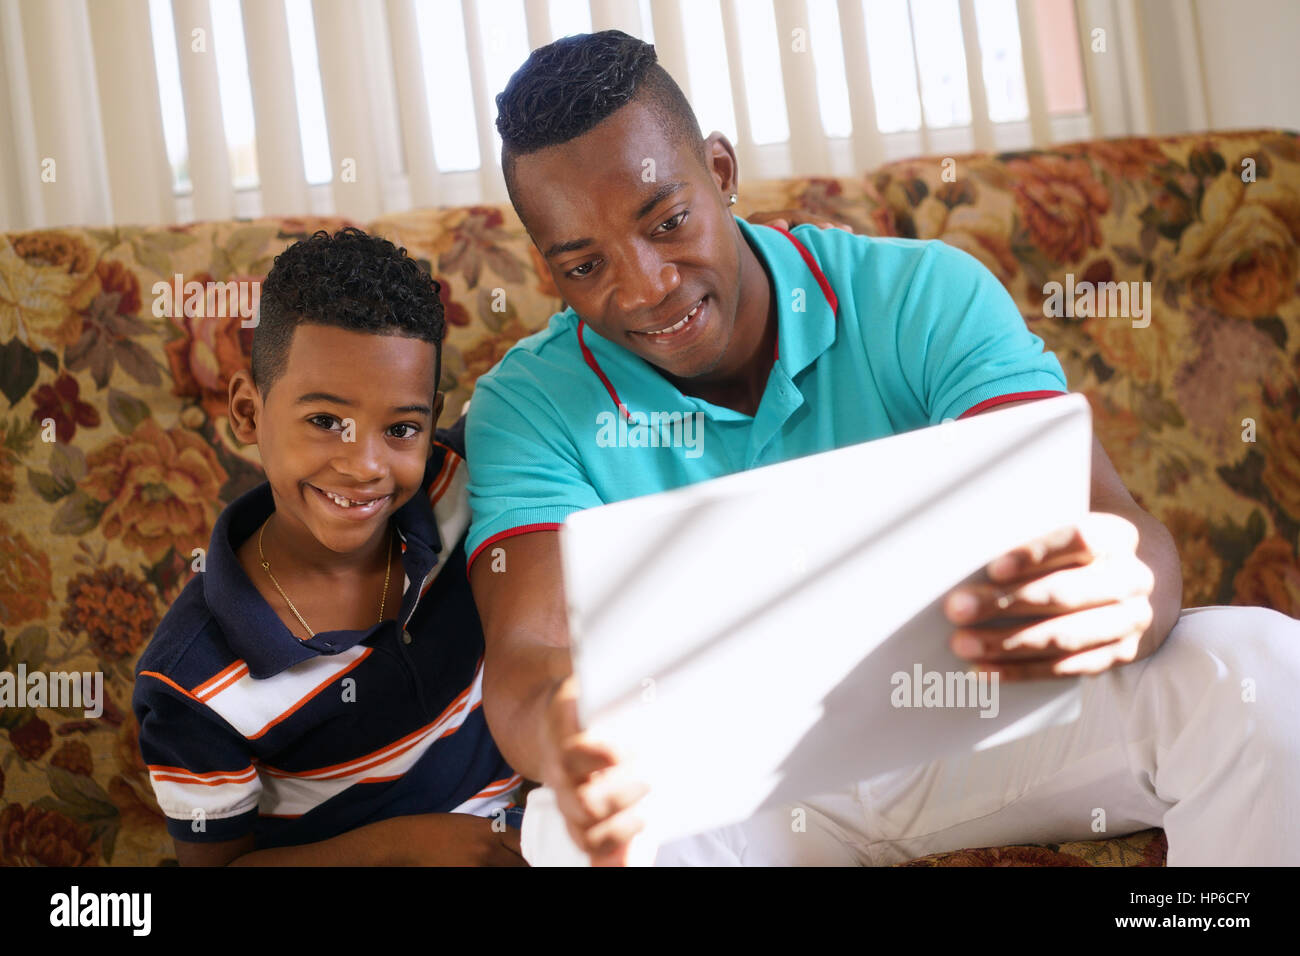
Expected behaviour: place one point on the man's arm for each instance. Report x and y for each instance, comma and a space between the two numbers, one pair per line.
526, 643
1152, 545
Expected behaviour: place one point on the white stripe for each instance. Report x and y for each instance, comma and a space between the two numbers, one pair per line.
296, 795
250, 705
484, 806
180, 800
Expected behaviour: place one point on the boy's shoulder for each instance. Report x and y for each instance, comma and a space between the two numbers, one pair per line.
188, 647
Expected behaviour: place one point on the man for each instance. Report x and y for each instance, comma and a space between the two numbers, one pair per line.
789, 344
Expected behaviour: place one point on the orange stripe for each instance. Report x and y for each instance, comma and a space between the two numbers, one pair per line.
442, 490
169, 682
498, 786
201, 783
312, 693
400, 746
433, 485
159, 768
239, 670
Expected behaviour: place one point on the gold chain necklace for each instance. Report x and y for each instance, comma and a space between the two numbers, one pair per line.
388, 566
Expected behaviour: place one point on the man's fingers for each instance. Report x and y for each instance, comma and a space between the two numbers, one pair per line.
1098, 534
1059, 592
599, 797
1094, 660
1056, 637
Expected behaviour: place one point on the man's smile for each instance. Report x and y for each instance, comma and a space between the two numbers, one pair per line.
680, 330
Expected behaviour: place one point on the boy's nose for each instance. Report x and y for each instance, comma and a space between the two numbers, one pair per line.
362, 460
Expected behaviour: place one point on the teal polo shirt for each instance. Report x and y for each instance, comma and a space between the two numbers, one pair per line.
876, 336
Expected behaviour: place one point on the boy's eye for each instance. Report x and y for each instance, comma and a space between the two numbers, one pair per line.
327, 423
669, 225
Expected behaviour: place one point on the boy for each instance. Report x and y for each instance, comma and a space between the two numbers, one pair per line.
313, 696
790, 344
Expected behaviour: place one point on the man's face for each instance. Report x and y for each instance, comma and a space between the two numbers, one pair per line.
353, 414
638, 238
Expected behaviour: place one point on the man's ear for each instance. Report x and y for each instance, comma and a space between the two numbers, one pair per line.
720, 159
245, 406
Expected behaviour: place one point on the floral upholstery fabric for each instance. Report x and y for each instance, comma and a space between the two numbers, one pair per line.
1198, 410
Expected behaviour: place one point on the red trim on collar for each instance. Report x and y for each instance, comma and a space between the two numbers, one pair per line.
816, 271
591, 360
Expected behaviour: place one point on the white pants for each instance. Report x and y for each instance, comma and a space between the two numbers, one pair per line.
1202, 739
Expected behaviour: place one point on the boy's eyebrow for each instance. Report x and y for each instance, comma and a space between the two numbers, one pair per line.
573, 245
337, 400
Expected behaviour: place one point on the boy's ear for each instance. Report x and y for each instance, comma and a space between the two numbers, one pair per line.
245, 405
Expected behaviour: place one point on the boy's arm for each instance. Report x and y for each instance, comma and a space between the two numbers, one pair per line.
429, 839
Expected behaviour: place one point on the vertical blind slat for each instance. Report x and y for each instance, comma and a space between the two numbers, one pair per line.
344, 67
981, 125
808, 147
537, 18
209, 158
139, 174
276, 125
670, 41
490, 179
616, 15
1035, 86
413, 103
868, 143
65, 111
916, 71
1135, 73
746, 155
20, 175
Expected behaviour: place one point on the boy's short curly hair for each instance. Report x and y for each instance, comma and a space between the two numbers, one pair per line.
349, 280
566, 88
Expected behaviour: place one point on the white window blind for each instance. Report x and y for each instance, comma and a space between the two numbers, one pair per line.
361, 107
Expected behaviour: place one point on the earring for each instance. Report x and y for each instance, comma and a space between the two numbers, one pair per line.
732, 200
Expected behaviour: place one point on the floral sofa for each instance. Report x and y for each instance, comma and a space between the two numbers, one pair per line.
1198, 410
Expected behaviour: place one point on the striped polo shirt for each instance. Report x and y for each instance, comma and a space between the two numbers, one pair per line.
246, 728
875, 336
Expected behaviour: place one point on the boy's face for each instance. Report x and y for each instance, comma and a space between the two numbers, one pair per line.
353, 414
636, 235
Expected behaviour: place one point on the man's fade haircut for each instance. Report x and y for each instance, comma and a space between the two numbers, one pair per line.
349, 280
566, 88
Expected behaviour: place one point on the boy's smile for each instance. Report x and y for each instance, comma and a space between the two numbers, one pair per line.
640, 242
344, 435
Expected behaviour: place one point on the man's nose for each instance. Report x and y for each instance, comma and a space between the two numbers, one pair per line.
645, 279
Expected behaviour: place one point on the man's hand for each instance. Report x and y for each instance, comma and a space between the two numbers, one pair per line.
1081, 595
787, 219
593, 790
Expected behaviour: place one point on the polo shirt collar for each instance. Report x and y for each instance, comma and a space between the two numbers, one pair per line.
253, 630
797, 283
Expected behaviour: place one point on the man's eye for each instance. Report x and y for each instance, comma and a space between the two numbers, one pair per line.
578, 272
669, 225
